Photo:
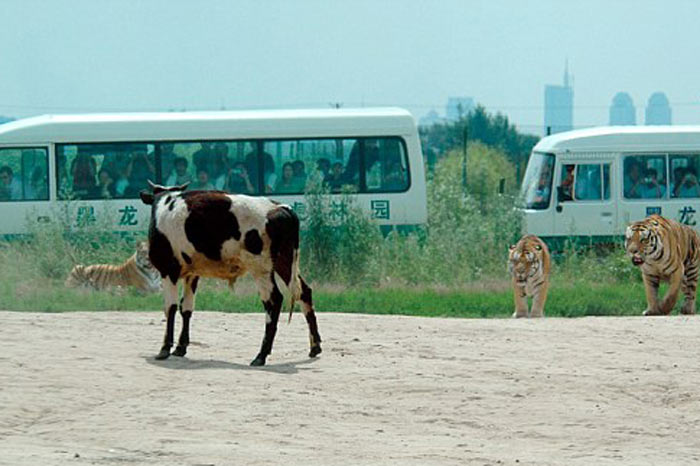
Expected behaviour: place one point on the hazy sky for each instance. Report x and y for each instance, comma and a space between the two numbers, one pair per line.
119, 55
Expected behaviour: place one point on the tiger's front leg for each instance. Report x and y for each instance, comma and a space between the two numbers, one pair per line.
689, 288
651, 288
538, 302
671, 297
520, 300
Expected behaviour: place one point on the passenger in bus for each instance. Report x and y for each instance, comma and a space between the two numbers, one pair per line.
689, 185
220, 166
299, 173
270, 178
141, 169
84, 172
167, 159
10, 187
650, 187
106, 188
567, 184
202, 158
633, 180
335, 179
289, 184
202, 182
676, 180
239, 181
543, 188
121, 185
180, 175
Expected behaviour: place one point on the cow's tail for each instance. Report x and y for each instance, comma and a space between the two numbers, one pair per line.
294, 283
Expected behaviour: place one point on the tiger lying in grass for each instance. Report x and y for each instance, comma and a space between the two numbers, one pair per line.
136, 272
528, 263
665, 251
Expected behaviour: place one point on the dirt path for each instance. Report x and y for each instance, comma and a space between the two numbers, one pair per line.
83, 388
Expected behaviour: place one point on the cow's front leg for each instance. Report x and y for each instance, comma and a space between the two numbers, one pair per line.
272, 301
170, 298
186, 309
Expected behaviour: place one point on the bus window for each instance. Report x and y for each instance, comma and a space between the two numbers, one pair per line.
290, 164
24, 174
592, 183
386, 169
210, 165
684, 176
537, 183
104, 171
645, 177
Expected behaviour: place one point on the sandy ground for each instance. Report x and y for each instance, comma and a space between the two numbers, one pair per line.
83, 388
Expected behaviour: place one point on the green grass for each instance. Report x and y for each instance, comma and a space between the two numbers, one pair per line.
564, 300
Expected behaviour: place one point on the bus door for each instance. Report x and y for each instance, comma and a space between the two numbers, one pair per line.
583, 203
24, 189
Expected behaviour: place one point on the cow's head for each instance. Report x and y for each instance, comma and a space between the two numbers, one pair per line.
149, 197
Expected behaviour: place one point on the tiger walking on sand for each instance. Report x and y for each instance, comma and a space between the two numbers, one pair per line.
529, 264
665, 251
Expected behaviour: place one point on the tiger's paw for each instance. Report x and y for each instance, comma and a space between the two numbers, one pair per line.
688, 310
520, 315
652, 312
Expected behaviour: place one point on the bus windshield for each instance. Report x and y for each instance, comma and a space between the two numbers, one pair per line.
537, 183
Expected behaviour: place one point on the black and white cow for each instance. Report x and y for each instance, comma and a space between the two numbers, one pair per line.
213, 234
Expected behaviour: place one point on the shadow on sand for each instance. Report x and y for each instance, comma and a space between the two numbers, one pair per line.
185, 363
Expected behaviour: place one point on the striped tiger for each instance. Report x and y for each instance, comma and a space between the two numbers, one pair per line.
665, 251
137, 271
529, 264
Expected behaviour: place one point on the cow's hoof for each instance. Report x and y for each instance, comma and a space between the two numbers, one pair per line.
180, 351
315, 351
164, 354
258, 362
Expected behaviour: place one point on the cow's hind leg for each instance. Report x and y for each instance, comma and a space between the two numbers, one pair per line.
186, 309
170, 298
272, 301
310, 314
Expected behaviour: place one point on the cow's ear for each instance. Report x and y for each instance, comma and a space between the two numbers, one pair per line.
146, 197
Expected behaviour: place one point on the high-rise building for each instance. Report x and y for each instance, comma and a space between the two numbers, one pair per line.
622, 111
658, 110
559, 105
457, 107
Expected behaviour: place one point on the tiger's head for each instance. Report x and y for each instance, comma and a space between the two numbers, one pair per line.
642, 239
525, 258
142, 259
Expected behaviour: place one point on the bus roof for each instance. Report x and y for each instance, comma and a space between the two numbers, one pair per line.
112, 127
623, 139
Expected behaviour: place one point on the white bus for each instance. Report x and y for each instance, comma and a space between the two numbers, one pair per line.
98, 163
589, 184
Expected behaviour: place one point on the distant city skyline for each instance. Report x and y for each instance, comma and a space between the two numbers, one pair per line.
100, 55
